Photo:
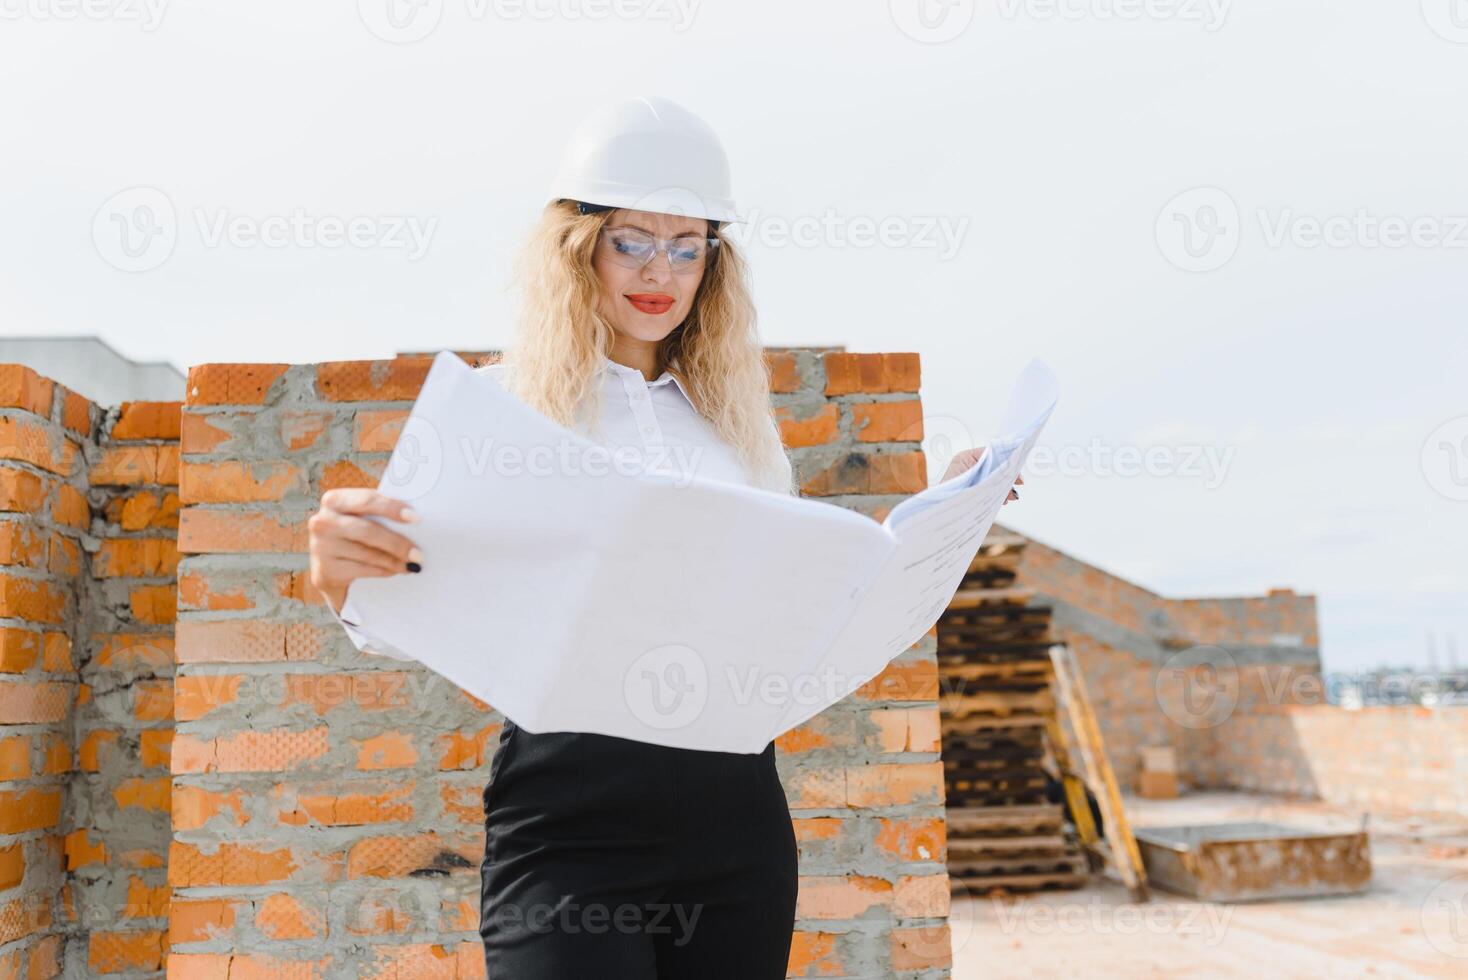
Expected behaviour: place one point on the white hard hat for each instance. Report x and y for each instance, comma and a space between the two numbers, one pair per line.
647, 154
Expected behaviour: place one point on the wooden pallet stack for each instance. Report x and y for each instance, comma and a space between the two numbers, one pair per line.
998, 709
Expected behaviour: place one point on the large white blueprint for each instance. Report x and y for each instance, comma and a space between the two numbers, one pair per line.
685, 612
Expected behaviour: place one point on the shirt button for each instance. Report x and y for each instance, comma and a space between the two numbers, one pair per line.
647, 429
637, 397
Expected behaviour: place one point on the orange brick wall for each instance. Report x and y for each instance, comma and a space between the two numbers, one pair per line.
1186, 673
86, 691
327, 813
117, 854
43, 430
1396, 758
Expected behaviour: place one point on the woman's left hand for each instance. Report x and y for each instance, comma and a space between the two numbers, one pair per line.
970, 457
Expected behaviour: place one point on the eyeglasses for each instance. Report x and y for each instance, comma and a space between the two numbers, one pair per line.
634, 249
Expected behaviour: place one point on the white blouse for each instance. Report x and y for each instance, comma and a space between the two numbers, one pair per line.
655, 418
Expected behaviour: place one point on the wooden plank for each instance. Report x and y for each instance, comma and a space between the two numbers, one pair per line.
968, 848
1018, 864
1075, 789
1025, 671
974, 598
958, 884
1000, 703
978, 723
963, 821
1118, 831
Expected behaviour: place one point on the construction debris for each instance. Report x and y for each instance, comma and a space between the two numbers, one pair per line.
1237, 862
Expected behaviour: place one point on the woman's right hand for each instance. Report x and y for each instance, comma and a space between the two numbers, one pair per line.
345, 545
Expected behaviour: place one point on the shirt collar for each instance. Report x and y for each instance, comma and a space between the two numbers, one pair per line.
662, 379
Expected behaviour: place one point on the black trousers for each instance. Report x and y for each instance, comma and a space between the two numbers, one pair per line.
606, 857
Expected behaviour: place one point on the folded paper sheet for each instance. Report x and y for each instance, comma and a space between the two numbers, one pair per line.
577, 595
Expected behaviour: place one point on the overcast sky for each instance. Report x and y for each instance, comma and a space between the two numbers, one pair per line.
1237, 231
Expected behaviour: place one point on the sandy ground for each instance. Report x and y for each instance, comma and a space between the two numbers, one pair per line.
1412, 923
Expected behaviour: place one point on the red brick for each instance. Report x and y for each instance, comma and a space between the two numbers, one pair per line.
913, 838
814, 954
888, 421
232, 384
22, 388
34, 443
355, 381
389, 750
378, 431
133, 465
300, 806
148, 420
136, 557
146, 794
841, 896
197, 921
275, 751
153, 604
19, 649
21, 490
194, 806
32, 599
141, 510
197, 591
816, 429
302, 430
21, 544
35, 703
70, 507
245, 641
848, 374
346, 473
867, 473
199, 433
233, 482
76, 413
921, 948
118, 952
401, 856
784, 375
29, 809
204, 530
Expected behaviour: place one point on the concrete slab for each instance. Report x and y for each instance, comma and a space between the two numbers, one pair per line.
1411, 923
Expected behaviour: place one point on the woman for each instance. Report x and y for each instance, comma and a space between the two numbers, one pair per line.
607, 857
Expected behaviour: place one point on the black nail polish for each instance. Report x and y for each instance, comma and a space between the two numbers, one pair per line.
413, 566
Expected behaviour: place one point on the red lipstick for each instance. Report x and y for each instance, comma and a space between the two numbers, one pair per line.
654, 303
